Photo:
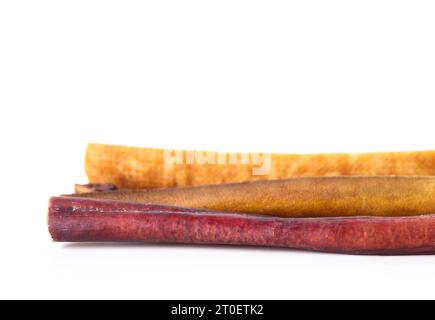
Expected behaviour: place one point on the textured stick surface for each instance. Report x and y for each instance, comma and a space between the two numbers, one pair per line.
89, 220
299, 197
128, 167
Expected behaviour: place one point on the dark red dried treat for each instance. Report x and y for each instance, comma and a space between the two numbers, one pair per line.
88, 220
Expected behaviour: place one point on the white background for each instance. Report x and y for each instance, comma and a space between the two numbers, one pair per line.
229, 75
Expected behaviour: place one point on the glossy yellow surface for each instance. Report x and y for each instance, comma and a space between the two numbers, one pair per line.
299, 197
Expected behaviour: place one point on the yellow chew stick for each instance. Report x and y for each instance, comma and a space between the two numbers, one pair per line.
298, 197
136, 168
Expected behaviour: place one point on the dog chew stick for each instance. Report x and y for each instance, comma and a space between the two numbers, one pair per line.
89, 220
298, 197
138, 168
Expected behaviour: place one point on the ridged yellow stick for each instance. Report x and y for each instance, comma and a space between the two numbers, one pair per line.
298, 197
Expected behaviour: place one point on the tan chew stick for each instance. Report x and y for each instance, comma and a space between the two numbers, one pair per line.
298, 197
136, 168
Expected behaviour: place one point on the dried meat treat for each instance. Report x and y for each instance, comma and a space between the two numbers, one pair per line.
89, 220
298, 197
136, 168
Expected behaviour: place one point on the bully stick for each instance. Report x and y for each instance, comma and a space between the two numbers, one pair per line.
298, 197
137, 168
89, 220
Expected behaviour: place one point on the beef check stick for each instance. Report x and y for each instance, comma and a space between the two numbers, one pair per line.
134, 168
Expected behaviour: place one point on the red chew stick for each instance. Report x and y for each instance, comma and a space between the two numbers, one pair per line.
88, 220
